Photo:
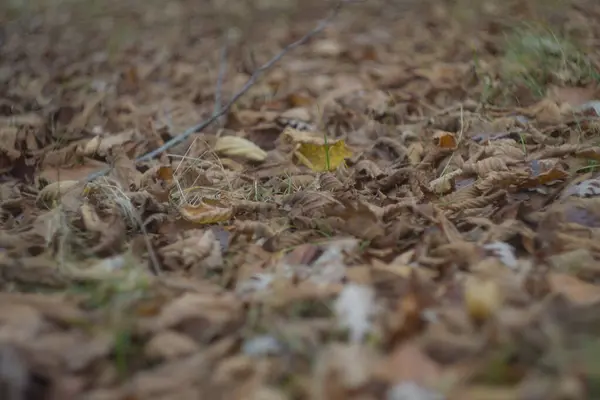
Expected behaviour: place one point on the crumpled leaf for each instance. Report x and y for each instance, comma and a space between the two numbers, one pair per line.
239, 147
198, 249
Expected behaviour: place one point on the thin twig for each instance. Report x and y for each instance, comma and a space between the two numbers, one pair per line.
251, 81
221, 75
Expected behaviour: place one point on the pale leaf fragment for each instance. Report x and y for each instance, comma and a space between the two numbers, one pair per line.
411, 391
354, 309
587, 188
234, 146
504, 251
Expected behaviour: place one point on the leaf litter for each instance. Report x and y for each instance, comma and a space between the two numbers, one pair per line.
414, 185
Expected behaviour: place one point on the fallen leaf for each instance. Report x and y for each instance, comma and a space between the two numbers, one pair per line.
445, 140
165, 173
408, 363
52, 193
239, 147
317, 151
574, 96
169, 345
482, 298
355, 308
574, 289
204, 213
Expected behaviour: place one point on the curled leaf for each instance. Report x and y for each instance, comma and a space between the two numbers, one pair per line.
205, 213
540, 176
54, 191
239, 147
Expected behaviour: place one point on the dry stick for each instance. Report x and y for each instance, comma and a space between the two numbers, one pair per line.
221, 75
251, 81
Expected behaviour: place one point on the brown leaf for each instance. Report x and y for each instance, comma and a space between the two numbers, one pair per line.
170, 345
575, 290
208, 310
205, 213
445, 140
408, 362
574, 96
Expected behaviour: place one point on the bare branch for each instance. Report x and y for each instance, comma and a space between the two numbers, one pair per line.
251, 81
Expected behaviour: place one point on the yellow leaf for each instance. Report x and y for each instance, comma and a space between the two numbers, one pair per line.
315, 150
415, 153
205, 213
240, 147
165, 173
483, 298
326, 157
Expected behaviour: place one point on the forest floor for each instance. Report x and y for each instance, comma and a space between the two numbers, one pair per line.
404, 206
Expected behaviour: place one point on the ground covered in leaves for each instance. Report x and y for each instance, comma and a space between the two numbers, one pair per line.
403, 207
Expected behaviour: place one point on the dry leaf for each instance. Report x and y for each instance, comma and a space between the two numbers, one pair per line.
52, 193
326, 157
101, 145
234, 146
408, 363
574, 289
415, 153
170, 345
544, 177
317, 152
354, 309
445, 140
574, 96
204, 213
165, 173
482, 298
